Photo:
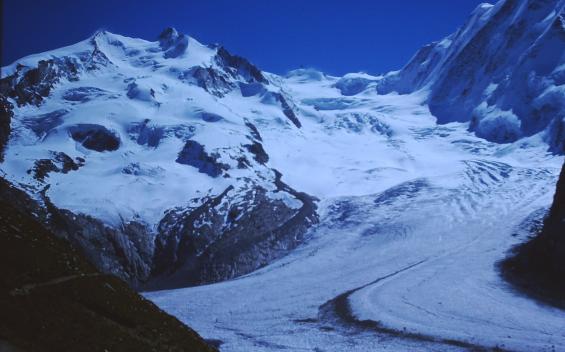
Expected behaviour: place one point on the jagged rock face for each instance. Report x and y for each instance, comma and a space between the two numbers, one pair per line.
226, 237
219, 80
259, 153
225, 73
30, 86
125, 252
239, 67
5, 120
502, 71
173, 43
287, 109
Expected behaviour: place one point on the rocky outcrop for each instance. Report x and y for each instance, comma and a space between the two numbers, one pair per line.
238, 67
145, 133
95, 137
124, 251
230, 235
211, 80
59, 162
554, 228
173, 43
287, 110
53, 299
32, 85
193, 154
538, 266
221, 78
259, 153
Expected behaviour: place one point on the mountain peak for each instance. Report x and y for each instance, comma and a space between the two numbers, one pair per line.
168, 34
172, 42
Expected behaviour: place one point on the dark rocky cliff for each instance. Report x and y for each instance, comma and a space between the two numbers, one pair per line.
5, 120
125, 252
220, 240
538, 266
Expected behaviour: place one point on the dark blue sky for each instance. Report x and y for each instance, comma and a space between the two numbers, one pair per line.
334, 36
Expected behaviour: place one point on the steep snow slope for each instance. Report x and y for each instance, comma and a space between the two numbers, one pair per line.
414, 219
502, 71
139, 112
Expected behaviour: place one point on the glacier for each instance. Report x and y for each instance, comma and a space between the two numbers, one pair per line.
305, 211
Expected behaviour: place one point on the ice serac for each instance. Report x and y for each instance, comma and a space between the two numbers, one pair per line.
502, 71
125, 140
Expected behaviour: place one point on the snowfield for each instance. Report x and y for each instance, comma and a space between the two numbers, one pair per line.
404, 257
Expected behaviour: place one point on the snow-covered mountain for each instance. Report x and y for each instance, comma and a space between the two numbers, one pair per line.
154, 149
503, 71
173, 163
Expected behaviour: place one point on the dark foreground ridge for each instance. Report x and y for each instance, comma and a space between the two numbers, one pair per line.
52, 299
537, 267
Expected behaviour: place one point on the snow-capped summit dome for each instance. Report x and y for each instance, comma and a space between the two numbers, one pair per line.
306, 74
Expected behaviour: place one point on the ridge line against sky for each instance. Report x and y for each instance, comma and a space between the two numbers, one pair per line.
333, 36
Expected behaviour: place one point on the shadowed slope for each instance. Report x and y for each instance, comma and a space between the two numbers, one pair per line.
538, 267
52, 299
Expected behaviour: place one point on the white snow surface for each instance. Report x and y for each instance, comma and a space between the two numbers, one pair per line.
428, 210
169, 103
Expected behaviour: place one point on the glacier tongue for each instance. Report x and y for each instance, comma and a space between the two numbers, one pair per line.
413, 224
